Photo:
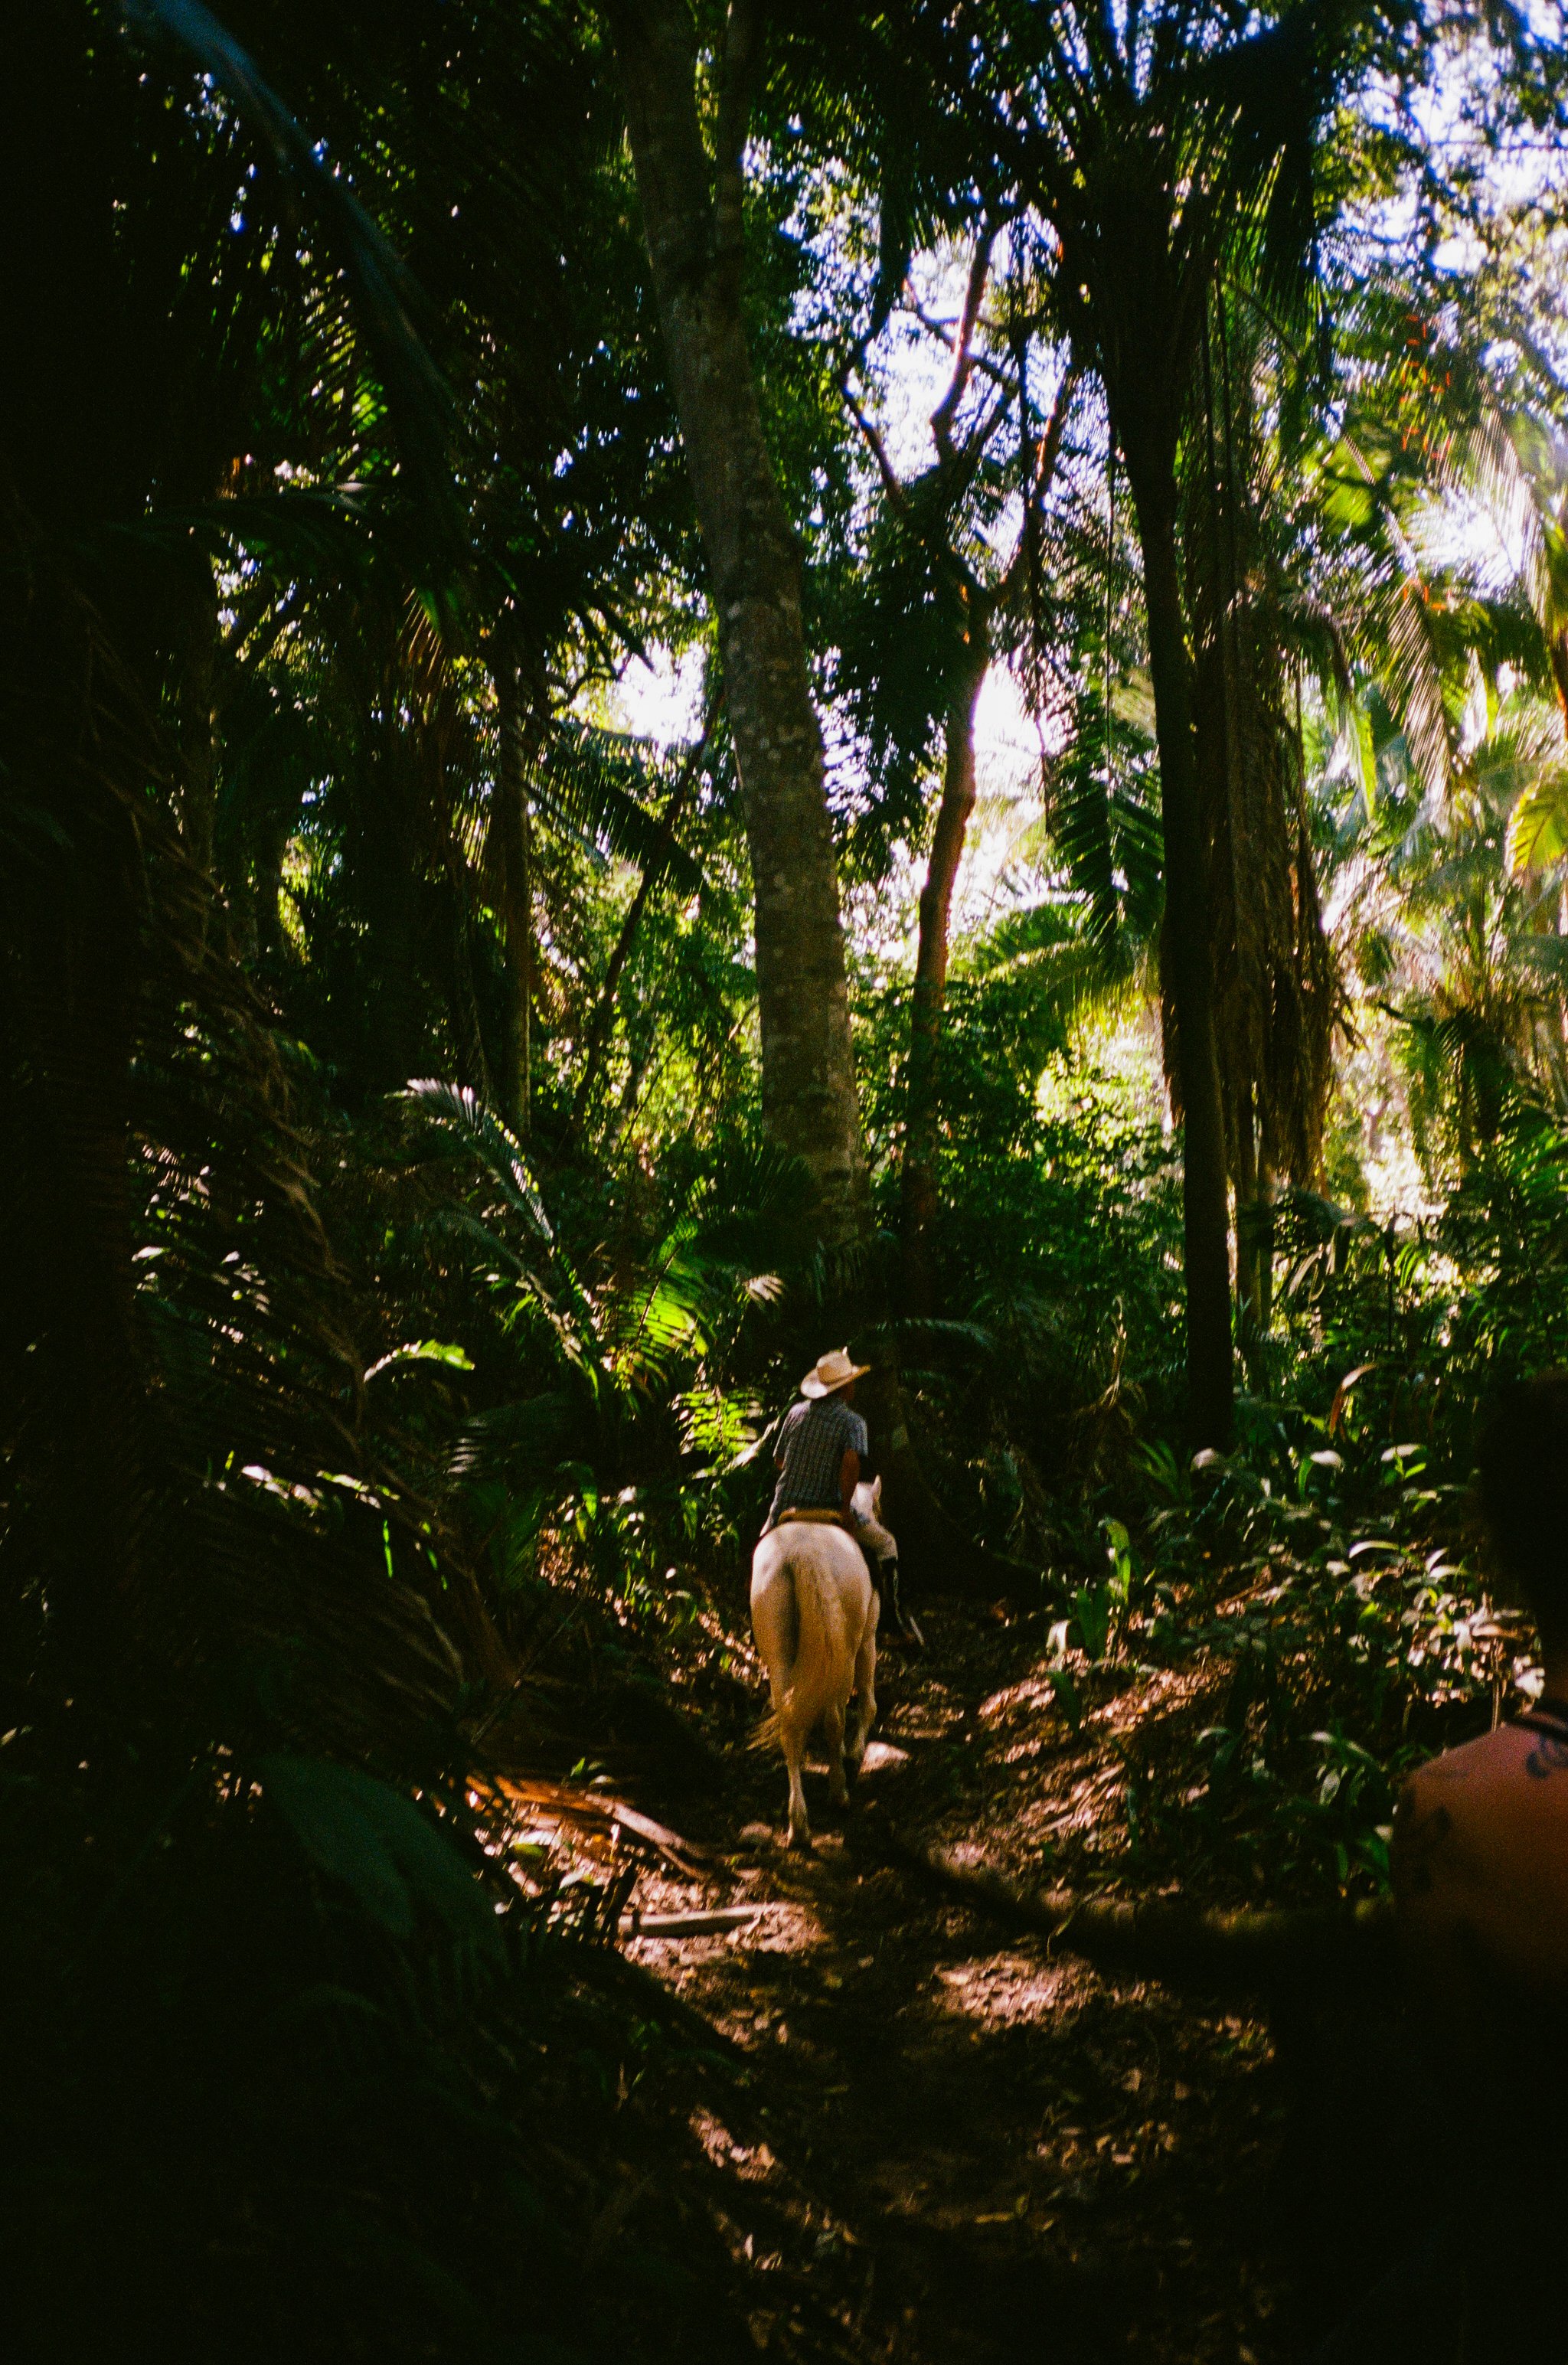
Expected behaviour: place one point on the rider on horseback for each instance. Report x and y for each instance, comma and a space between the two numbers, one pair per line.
821, 1450
822, 1443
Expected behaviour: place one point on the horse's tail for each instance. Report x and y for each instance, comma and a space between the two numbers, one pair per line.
810, 1684
804, 1681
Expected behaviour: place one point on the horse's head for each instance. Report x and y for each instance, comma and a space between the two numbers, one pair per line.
867, 1500
878, 1541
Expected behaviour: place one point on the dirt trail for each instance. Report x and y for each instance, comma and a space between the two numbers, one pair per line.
973, 2142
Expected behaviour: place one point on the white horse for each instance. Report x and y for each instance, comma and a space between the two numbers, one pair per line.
813, 1612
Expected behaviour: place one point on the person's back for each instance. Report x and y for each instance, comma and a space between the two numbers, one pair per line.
821, 1458
1481, 1834
822, 1442
1481, 1865
1481, 1887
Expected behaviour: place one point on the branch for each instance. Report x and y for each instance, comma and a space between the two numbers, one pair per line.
963, 362
943, 332
1259, 1949
939, 548
964, 463
892, 483
1048, 454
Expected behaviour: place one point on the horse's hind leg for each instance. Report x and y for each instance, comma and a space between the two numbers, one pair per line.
833, 1730
794, 1740
865, 1710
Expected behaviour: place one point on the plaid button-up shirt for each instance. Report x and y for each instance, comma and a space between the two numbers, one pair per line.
817, 1434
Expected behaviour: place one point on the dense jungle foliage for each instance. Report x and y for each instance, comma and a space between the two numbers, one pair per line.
1145, 441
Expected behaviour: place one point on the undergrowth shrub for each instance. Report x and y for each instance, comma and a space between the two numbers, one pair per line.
291, 2071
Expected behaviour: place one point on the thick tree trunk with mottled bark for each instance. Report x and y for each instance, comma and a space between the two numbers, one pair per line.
691, 212
919, 1177
1185, 965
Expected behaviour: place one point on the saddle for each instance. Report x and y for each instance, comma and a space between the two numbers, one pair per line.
822, 1518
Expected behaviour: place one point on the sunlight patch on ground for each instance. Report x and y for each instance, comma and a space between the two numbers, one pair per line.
1003, 1989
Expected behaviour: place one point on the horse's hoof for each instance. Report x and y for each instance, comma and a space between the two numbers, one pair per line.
799, 1838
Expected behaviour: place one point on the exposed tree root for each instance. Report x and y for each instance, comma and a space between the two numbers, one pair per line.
1267, 1950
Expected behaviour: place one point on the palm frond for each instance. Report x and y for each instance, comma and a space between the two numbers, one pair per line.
384, 295
1538, 825
601, 785
458, 1109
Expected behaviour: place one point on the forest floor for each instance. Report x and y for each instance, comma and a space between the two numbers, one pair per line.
938, 2140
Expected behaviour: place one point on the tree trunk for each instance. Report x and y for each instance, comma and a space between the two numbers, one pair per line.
919, 1179
1263, 1258
200, 645
393, 892
1186, 967
754, 561
1246, 1183
462, 999
522, 726
1254, 1242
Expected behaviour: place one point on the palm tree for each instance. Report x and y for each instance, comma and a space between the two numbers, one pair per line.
1164, 153
462, 130
1248, 582
1449, 845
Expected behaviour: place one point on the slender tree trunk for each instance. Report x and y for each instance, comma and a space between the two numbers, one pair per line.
271, 845
1246, 1182
1254, 1225
522, 729
692, 220
1254, 1235
394, 891
462, 999
1185, 965
919, 1177
200, 645
1264, 1261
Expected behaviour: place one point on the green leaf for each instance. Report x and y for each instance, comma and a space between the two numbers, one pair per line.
1537, 826
374, 1840
1091, 1609
1067, 1698
423, 1350
458, 1109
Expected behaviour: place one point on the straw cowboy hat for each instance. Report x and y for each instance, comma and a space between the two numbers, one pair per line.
830, 1372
